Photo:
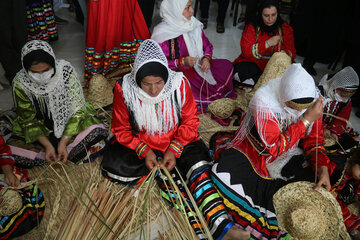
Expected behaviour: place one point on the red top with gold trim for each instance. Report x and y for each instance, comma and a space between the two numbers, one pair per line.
342, 111
174, 140
253, 45
313, 144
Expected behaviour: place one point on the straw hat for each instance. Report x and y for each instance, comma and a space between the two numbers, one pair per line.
10, 202
222, 108
329, 142
309, 214
100, 92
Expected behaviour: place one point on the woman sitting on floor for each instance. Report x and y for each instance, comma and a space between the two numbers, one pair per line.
53, 120
264, 35
188, 50
337, 92
281, 127
154, 118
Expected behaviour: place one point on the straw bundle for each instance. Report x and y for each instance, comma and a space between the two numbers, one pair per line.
109, 211
91, 207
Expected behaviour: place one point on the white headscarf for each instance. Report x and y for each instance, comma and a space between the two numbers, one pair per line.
145, 107
61, 95
346, 78
268, 103
174, 24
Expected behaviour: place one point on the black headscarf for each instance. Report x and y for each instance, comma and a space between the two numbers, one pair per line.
257, 21
38, 56
152, 69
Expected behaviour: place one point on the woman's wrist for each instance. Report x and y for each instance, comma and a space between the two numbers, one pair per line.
306, 122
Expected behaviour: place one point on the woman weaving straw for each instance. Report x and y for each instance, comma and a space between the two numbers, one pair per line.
337, 92
188, 50
154, 118
53, 122
281, 127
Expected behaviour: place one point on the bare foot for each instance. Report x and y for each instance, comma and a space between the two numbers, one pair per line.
235, 233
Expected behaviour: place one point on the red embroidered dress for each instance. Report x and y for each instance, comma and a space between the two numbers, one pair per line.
174, 140
253, 45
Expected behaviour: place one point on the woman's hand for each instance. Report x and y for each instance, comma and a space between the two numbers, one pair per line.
205, 65
190, 61
150, 160
62, 152
50, 154
169, 160
324, 179
273, 41
329, 134
10, 178
315, 111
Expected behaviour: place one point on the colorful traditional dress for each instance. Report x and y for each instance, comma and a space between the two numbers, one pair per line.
41, 20
267, 153
53, 109
115, 29
179, 38
32, 206
347, 192
254, 54
336, 110
167, 122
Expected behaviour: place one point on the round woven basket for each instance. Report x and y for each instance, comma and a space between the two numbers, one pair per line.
100, 92
222, 108
10, 202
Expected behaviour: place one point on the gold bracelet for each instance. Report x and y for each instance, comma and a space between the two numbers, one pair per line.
306, 122
183, 61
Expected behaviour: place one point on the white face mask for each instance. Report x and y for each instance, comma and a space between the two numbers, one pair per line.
42, 78
338, 98
294, 112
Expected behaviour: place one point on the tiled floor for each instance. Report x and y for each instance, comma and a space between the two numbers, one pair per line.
71, 44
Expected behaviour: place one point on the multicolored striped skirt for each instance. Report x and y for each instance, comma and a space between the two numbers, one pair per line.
247, 195
31, 209
41, 20
122, 165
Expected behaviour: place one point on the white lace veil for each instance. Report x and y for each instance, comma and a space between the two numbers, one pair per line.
268, 103
347, 78
175, 24
62, 95
144, 106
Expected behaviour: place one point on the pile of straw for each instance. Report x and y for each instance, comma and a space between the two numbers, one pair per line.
81, 204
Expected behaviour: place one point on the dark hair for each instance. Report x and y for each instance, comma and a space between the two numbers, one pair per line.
151, 69
36, 57
258, 22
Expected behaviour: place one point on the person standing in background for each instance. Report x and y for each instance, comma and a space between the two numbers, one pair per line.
13, 36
